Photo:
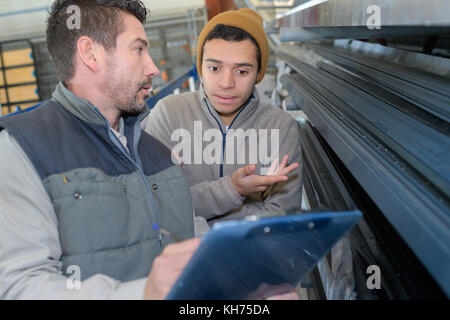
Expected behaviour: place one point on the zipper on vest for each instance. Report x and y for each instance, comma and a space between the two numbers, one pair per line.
117, 142
160, 239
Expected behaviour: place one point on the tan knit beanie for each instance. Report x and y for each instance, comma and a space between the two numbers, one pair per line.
245, 19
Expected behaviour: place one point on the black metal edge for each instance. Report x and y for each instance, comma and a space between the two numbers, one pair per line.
372, 181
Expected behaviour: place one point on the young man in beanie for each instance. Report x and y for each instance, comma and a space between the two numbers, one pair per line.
224, 137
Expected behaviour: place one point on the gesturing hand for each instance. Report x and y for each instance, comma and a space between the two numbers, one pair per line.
247, 183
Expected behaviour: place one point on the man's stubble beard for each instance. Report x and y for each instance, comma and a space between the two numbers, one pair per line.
122, 98
119, 91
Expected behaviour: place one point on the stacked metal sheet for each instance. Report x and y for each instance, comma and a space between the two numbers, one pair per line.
389, 125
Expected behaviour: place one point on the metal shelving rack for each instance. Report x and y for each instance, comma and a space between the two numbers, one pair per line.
375, 137
10, 97
172, 39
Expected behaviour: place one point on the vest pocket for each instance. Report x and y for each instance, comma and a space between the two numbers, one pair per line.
172, 195
92, 216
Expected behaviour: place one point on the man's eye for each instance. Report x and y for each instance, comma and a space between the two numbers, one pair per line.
242, 72
213, 68
139, 50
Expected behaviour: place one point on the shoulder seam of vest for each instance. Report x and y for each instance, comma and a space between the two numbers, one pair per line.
30, 154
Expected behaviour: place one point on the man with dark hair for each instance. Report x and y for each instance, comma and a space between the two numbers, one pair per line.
85, 193
232, 56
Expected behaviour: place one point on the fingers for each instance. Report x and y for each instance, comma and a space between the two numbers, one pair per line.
258, 294
260, 189
246, 182
167, 267
182, 247
274, 292
288, 169
172, 264
250, 169
273, 168
266, 181
282, 169
165, 271
284, 162
246, 171
285, 296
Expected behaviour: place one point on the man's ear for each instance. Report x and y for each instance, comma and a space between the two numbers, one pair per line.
87, 52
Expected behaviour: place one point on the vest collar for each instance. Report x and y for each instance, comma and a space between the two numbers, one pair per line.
85, 111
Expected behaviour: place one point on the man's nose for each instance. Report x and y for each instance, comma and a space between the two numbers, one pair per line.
151, 70
226, 81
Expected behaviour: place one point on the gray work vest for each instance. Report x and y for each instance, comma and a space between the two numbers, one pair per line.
108, 202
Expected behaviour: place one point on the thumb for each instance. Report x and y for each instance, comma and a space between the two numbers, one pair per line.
249, 170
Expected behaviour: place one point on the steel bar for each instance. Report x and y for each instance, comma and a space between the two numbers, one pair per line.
399, 192
344, 19
428, 91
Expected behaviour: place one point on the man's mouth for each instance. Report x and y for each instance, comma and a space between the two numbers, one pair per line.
225, 98
147, 87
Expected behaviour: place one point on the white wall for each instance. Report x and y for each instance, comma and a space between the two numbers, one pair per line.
26, 18
165, 6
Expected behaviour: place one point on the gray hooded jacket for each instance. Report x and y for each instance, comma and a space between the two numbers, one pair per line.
210, 153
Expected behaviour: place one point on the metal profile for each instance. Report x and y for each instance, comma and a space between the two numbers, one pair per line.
398, 191
350, 19
425, 90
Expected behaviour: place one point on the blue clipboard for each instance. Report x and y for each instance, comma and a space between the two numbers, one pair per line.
236, 257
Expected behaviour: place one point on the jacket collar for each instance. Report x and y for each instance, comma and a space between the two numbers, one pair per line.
245, 113
85, 111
